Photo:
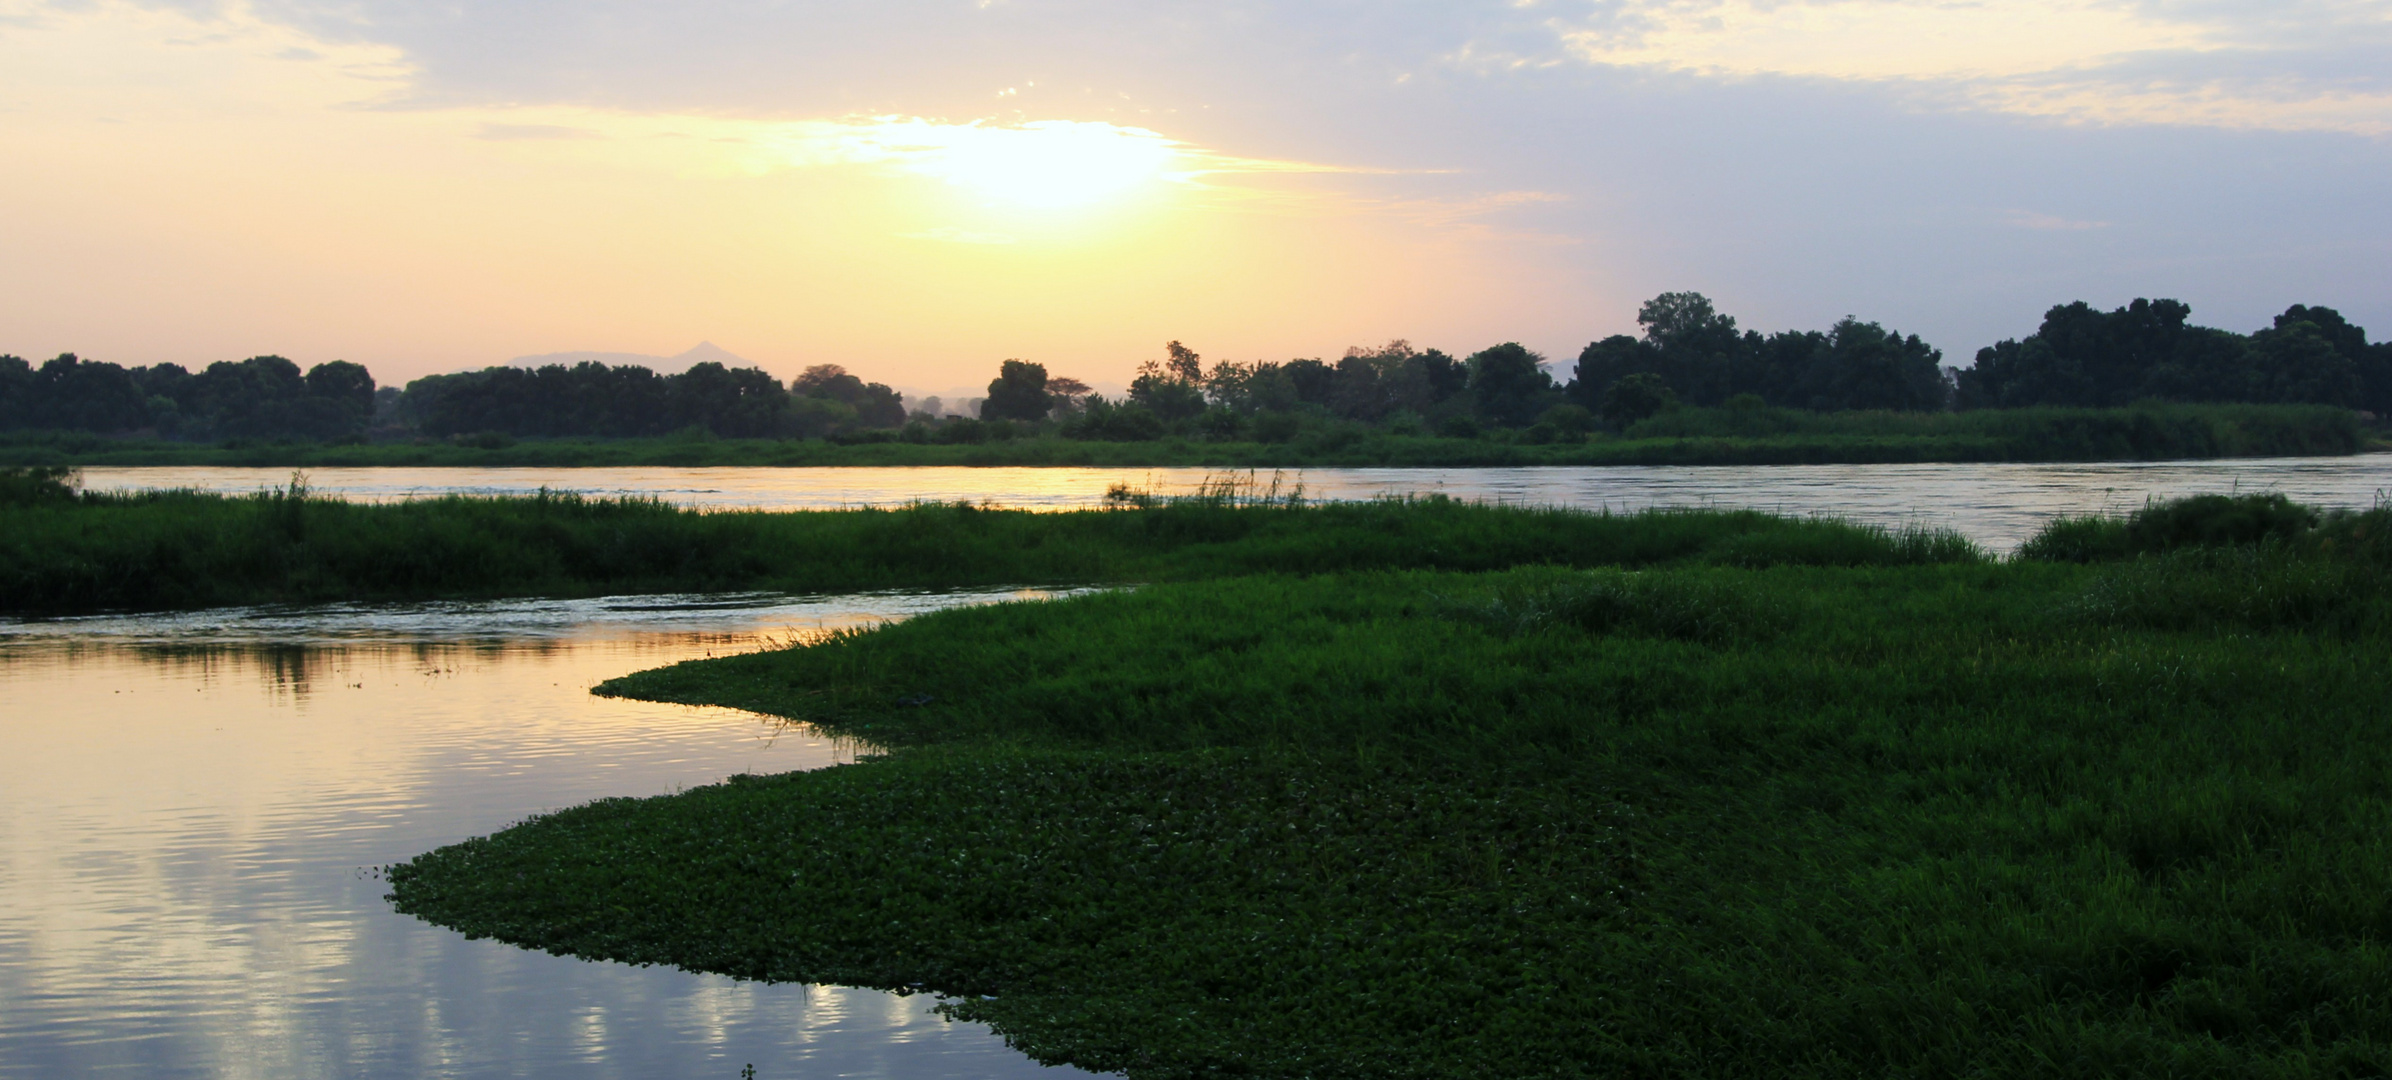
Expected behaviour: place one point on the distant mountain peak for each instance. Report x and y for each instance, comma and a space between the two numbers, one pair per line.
707, 350
665, 365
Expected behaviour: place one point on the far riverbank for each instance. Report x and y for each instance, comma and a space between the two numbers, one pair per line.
1682, 437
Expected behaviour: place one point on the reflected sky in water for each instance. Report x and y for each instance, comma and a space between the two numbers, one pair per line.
192, 807
1998, 505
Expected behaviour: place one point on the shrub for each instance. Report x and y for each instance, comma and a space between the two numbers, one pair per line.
38, 484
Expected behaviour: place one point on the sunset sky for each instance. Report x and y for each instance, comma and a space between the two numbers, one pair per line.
918, 189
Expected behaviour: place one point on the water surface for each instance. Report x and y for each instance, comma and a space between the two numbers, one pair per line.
1998, 505
192, 807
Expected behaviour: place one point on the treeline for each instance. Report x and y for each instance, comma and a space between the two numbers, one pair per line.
263, 397
591, 399
1688, 353
1691, 354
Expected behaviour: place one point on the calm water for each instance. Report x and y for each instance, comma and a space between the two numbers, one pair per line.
190, 806
1998, 505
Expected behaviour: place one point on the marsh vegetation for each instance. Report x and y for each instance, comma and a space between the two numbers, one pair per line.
1795, 799
63, 551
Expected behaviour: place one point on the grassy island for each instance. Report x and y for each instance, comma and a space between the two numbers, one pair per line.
1704, 797
62, 552
1688, 436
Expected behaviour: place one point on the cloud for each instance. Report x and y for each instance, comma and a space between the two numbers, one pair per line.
2311, 65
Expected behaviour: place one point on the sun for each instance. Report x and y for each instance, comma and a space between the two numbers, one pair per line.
1043, 165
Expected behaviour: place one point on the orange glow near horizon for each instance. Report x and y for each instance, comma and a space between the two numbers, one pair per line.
215, 191
198, 183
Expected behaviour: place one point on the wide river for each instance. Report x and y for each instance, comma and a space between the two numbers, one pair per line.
1998, 505
193, 806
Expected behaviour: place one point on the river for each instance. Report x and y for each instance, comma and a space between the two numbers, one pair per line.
1998, 505
193, 809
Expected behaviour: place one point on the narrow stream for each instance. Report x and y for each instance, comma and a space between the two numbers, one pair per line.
192, 807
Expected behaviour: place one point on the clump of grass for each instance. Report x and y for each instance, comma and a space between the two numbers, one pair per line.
1536, 822
2191, 522
1828, 542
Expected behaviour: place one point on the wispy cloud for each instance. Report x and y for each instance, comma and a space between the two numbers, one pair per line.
2297, 65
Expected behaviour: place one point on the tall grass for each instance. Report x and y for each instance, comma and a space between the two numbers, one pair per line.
177, 550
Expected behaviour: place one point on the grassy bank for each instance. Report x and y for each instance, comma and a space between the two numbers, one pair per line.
2123, 816
61, 553
1760, 436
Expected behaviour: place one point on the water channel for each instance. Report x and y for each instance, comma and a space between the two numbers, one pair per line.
192, 805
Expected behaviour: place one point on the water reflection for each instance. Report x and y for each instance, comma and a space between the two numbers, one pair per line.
190, 806
1999, 505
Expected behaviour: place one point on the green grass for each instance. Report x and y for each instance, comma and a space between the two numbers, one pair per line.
61, 554
1750, 816
1683, 437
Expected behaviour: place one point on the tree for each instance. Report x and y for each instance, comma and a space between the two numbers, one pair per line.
745, 403
1865, 366
1314, 381
1019, 392
1634, 397
1103, 420
2150, 349
2296, 362
74, 394
16, 393
1695, 347
1372, 383
1607, 361
1510, 384
1170, 389
875, 405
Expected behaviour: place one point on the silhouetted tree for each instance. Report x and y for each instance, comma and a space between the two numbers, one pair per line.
1864, 366
1635, 396
875, 405
1696, 349
16, 393
1315, 382
2149, 349
746, 403
1607, 361
1017, 393
77, 395
1172, 387
1510, 385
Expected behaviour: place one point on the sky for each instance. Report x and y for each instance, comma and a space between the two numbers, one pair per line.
919, 189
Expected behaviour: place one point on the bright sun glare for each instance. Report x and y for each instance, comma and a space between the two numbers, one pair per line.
1047, 164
